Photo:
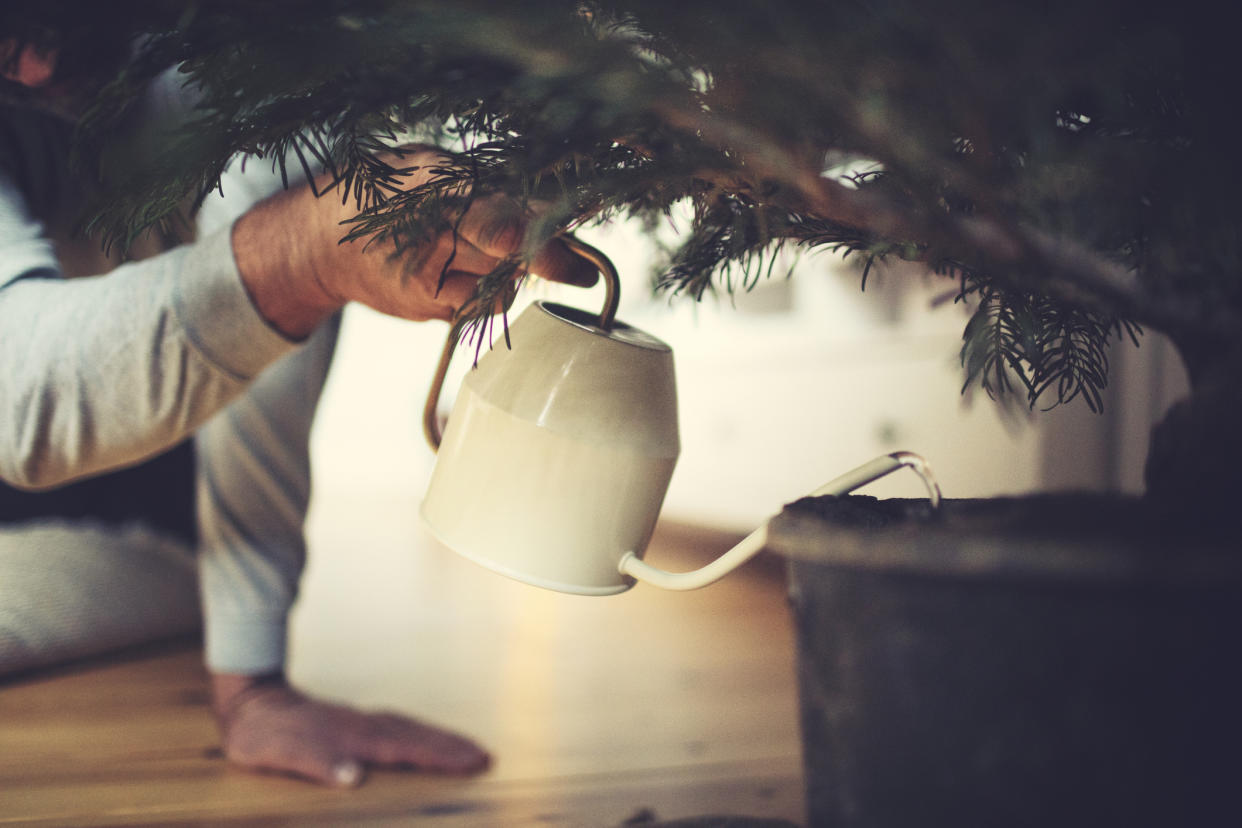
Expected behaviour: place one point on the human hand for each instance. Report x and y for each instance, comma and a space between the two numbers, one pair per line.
267, 725
289, 253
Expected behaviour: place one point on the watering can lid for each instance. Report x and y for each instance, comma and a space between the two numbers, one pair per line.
585, 320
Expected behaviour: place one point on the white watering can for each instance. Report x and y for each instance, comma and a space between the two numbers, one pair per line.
557, 455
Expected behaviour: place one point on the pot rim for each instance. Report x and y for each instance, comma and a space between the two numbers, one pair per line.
621, 332
963, 541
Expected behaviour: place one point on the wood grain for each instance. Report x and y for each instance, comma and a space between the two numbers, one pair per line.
596, 709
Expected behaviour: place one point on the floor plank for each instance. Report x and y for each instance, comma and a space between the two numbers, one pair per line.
596, 709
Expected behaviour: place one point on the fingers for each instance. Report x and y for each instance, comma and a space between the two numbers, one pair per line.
396, 741
557, 263
496, 225
277, 729
457, 290
459, 255
467, 263
441, 273
277, 740
315, 763
427, 292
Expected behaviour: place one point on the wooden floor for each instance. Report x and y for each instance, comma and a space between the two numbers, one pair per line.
597, 710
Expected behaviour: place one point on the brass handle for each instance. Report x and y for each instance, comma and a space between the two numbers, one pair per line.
612, 297
612, 282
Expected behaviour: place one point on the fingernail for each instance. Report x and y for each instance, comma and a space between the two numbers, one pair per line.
347, 774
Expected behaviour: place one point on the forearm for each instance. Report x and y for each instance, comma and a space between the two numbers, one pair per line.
101, 372
253, 492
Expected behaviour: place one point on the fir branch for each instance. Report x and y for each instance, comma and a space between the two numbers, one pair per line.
1079, 186
1070, 357
998, 345
1050, 350
733, 241
492, 300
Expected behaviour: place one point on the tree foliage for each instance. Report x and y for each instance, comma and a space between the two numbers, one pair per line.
1070, 164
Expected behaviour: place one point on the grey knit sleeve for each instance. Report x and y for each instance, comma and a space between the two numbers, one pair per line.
101, 372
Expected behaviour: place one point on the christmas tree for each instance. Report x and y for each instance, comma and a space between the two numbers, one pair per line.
1070, 166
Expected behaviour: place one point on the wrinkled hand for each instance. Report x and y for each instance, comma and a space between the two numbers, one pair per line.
267, 725
289, 254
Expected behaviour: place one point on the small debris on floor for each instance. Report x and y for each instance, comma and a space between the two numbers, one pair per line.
649, 819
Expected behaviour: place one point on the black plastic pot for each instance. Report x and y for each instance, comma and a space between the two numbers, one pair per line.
1050, 662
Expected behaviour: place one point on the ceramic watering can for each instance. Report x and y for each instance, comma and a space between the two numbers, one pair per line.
558, 452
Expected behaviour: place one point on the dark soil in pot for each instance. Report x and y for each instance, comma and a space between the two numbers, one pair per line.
1037, 661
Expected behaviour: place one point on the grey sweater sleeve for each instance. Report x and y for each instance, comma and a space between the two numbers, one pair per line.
102, 372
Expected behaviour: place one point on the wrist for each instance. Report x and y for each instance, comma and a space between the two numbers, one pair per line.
284, 248
230, 690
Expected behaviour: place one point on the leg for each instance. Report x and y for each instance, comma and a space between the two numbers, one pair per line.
74, 589
97, 565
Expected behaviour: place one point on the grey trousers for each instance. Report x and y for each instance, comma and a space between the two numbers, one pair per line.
70, 589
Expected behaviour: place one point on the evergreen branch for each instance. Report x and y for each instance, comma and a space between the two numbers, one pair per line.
1037, 189
999, 344
1051, 349
733, 241
1072, 349
1071, 271
493, 297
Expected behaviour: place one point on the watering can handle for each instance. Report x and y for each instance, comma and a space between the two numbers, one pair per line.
612, 296
634, 566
